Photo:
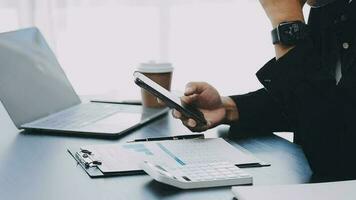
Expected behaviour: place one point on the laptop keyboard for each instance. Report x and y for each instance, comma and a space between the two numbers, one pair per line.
79, 116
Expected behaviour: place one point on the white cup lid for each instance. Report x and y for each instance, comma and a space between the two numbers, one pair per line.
155, 67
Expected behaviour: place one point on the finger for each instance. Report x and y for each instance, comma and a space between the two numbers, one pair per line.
192, 123
197, 128
194, 88
193, 126
176, 114
189, 123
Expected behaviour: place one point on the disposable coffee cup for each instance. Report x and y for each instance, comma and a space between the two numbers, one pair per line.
160, 73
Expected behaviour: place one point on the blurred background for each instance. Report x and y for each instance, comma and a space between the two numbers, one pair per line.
100, 42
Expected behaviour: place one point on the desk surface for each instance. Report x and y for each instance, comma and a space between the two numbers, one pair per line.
35, 166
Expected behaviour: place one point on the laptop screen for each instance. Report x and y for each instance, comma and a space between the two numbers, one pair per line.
32, 83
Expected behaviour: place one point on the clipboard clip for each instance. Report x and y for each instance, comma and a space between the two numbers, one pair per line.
85, 159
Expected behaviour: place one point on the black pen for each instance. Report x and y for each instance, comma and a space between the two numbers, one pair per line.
125, 102
178, 137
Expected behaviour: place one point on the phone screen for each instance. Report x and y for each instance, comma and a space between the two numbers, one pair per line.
158, 88
168, 97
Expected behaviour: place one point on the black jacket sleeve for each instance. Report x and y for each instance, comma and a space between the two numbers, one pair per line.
259, 114
301, 95
269, 109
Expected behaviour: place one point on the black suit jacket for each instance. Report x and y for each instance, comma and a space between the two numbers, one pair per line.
300, 94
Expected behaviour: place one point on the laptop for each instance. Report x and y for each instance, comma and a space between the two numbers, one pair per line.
38, 96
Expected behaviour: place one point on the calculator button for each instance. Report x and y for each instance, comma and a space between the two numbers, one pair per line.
186, 178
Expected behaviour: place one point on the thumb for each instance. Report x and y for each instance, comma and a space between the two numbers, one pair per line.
189, 99
194, 88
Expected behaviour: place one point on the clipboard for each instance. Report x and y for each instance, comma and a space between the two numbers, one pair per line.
90, 165
124, 159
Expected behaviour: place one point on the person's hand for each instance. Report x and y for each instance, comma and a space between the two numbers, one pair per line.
208, 100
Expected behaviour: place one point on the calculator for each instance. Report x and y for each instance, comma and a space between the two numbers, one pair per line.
198, 175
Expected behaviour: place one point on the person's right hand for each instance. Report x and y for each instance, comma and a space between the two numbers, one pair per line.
208, 100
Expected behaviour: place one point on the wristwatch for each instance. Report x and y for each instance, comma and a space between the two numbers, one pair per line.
290, 33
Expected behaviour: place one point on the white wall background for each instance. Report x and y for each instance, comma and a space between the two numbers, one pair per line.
99, 42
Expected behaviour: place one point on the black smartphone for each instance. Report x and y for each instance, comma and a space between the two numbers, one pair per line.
169, 99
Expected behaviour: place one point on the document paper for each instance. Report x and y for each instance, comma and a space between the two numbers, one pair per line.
127, 157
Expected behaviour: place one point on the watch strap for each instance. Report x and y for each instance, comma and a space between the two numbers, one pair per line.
275, 36
290, 33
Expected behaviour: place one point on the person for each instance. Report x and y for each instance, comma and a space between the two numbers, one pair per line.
309, 87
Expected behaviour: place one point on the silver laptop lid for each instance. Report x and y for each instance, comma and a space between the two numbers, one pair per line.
32, 83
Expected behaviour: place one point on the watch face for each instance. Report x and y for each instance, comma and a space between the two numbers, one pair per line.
289, 33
